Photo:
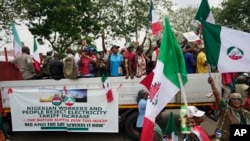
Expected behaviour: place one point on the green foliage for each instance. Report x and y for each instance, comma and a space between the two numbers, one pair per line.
234, 14
8, 10
120, 18
182, 19
61, 22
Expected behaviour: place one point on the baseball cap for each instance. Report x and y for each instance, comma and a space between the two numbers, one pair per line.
235, 95
92, 48
195, 111
115, 46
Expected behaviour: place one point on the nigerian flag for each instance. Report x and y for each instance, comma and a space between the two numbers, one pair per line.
163, 83
226, 48
107, 86
204, 12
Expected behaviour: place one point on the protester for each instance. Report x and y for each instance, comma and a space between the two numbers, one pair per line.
101, 65
56, 68
45, 73
130, 56
25, 64
198, 133
156, 52
148, 54
115, 62
85, 64
140, 61
231, 112
70, 69
142, 104
201, 61
241, 86
189, 60
125, 69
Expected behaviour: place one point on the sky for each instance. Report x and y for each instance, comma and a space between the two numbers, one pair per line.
27, 38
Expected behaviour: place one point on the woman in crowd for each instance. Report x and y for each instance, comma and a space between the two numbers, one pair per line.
142, 104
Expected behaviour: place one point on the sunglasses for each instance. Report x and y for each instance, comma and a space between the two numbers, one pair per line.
234, 99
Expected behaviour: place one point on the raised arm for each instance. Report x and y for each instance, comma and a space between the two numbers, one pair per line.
103, 43
144, 40
216, 92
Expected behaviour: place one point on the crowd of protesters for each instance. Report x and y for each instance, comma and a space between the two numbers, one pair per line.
129, 61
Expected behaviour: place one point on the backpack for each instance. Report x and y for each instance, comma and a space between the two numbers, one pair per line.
69, 68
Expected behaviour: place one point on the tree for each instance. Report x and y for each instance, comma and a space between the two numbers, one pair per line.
9, 10
182, 20
125, 17
61, 22
235, 14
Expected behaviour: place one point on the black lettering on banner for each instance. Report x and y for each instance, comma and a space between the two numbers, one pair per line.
238, 132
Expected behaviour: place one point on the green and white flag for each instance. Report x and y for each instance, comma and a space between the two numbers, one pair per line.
16, 41
226, 48
163, 83
170, 129
107, 86
35, 52
204, 12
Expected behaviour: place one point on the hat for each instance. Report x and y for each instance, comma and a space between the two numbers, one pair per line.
245, 74
195, 112
92, 48
123, 49
235, 95
241, 78
115, 46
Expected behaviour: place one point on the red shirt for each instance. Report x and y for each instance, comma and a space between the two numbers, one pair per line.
131, 58
84, 68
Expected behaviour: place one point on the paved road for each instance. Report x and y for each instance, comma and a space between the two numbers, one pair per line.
209, 126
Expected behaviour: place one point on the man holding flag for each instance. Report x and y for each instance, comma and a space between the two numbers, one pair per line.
164, 82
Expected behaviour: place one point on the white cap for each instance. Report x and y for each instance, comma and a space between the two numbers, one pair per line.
195, 112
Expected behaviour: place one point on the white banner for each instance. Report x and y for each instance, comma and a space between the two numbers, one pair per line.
73, 110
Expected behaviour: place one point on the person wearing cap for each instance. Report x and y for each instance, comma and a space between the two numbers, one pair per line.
241, 86
115, 62
231, 112
25, 64
198, 133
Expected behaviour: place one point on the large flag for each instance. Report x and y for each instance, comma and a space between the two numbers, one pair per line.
155, 24
163, 83
204, 12
35, 52
226, 48
16, 41
170, 129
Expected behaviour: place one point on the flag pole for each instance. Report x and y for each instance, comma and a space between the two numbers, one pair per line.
183, 92
184, 97
209, 70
